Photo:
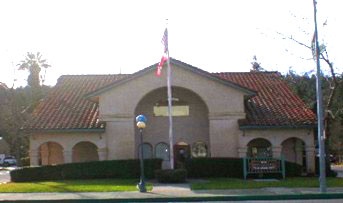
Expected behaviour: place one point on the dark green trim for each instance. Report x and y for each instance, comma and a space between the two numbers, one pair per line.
81, 130
258, 127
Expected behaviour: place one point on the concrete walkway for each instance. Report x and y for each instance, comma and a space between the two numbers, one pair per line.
180, 192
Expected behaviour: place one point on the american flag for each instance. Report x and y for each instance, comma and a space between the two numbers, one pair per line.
164, 40
164, 58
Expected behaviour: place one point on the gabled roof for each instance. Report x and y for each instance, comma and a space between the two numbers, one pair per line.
180, 64
271, 102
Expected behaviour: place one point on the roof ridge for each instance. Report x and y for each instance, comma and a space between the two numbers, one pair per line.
91, 75
254, 72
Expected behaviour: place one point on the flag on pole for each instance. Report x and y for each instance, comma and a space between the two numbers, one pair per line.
164, 58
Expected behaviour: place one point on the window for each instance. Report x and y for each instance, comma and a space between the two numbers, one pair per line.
199, 149
162, 151
147, 151
259, 148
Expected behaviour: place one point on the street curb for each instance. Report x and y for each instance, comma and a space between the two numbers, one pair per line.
201, 199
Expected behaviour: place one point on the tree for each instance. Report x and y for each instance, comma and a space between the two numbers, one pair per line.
256, 66
16, 105
34, 64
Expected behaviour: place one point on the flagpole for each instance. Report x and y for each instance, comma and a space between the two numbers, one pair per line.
321, 137
171, 137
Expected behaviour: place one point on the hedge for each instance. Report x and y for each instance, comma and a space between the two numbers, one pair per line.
171, 176
230, 167
87, 170
214, 167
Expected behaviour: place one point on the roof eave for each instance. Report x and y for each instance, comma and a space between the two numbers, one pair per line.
259, 127
74, 130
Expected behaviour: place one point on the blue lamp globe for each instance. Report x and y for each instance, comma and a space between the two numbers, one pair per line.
141, 118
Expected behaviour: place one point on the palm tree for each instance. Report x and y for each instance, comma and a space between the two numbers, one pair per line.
34, 64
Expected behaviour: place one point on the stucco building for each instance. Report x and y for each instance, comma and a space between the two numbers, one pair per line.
91, 117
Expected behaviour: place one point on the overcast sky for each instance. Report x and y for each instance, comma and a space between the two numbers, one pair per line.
111, 37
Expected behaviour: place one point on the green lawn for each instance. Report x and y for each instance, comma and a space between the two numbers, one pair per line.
113, 185
97, 185
229, 183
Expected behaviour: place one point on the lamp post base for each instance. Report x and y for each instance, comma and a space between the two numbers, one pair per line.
141, 186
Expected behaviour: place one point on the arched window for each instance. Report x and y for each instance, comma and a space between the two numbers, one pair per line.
84, 152
147, 151
199, 149
259, 148
162, 151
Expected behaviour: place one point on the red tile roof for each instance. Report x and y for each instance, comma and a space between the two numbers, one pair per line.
274, 105
66, 107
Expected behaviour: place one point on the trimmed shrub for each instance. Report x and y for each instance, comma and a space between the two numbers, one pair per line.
87, 170
215, 167
25, 161
171, 176
293, 169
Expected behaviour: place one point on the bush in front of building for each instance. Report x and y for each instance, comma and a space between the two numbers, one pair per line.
87, 170
293, 169
171, 176
25, 161
214, 167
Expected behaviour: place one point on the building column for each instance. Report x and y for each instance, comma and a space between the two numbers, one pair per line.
276, 150
102, 153
68, 156
34, 157
242, 152
299, 152
310, 159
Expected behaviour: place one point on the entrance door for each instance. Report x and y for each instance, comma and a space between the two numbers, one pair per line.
181, 154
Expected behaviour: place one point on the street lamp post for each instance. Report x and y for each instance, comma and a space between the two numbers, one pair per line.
141, 120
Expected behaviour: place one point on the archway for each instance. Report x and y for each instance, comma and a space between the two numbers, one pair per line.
259, 147
190, 118
293, 150
50, 153
84, 152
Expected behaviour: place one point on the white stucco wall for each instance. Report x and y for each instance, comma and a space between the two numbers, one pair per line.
67, 141
225, 105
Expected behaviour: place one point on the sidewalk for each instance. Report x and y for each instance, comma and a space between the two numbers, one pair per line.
178, 192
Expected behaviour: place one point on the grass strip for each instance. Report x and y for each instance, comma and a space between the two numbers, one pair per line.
94, 185
230, 183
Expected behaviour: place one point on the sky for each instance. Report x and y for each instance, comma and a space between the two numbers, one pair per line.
112, 37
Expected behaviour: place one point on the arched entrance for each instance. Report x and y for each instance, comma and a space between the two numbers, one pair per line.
190, 118
50, 153
85, 151
259, 147
293, 150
